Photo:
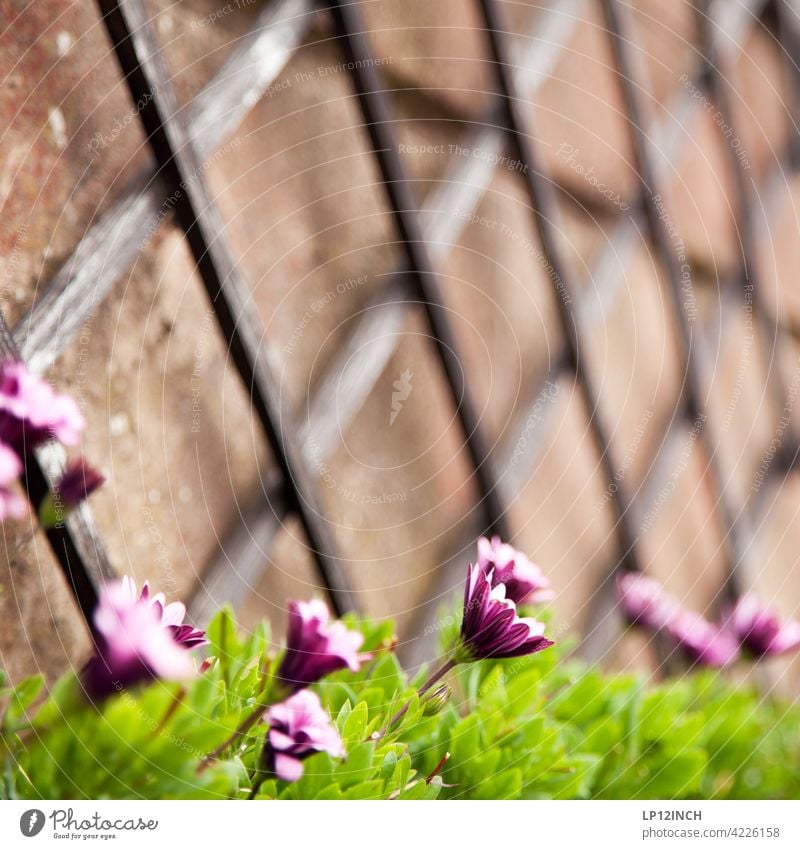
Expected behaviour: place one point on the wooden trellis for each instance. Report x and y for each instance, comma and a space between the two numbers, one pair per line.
180, 146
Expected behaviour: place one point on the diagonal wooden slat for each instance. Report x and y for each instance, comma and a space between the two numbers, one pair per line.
75, 544
378, 116
544, 207
718, 73
138, 53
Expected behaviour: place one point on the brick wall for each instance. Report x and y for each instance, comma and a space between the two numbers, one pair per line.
307, 217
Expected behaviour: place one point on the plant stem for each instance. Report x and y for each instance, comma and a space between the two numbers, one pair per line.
440, 673
244, 726
258, 780
438, 768
177, 699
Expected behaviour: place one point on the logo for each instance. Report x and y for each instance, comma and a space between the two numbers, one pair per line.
31, 822
402, 389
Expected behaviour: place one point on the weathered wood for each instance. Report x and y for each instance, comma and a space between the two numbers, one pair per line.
75, 544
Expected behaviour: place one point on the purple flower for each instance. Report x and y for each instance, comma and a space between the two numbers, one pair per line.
491, 627
702, 642
12, 504
644, 601
31, 412
524, 580
298, 728
759, 630
315, 647
133, 642
171, 615
78, 482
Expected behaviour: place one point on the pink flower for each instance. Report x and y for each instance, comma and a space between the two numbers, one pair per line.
133, 642
170, 615
759, 630
298, 728
524, 580
491, 626
700, 641
644, 601
31, 412
12, 504
78, 482
315, 647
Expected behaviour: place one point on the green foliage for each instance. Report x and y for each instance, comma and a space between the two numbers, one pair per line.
535, 728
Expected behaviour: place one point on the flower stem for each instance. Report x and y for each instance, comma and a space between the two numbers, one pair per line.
440, 673
244, 726
258, 780
436, 676
438, 768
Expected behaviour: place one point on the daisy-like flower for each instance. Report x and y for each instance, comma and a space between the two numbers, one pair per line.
315, 646
524, 581
31, 412
701, 641
644, 601
298, 728
491, 626
134, 643
12, 504
170, 615
760, 631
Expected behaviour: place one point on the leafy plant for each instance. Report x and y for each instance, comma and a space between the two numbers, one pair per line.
538, 727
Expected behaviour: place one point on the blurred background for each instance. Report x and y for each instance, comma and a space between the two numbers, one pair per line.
635, 402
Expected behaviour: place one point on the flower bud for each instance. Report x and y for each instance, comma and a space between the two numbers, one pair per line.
436, 700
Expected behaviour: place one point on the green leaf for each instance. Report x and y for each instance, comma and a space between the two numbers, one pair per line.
355, 726
23, 696
465, 739
366, 790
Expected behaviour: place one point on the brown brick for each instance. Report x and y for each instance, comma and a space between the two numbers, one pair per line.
71, 138
438, 48
681, 547
631, 352
152, 351
779, 252
579, 120
197, 36
561, 517
41, 630
664, 35
701, 199
759, 103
